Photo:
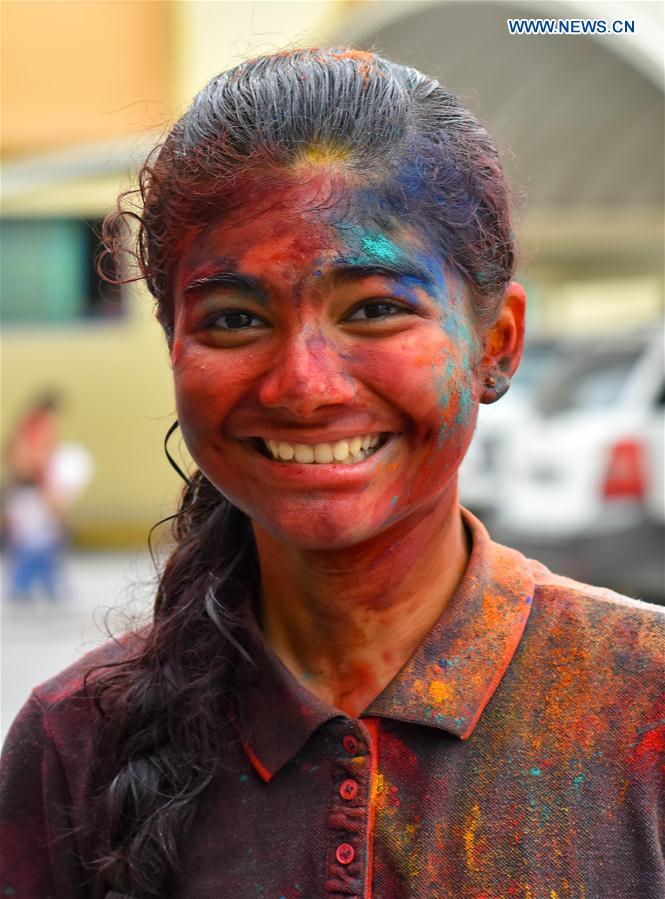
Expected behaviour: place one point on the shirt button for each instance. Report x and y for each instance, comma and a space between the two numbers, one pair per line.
345, 854
349, 789
350, 743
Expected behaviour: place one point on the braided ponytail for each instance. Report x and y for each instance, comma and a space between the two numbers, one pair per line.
164, 709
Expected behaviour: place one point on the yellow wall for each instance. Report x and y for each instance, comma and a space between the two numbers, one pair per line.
82, 70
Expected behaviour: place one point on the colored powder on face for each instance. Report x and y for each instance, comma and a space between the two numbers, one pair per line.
446, 378
366, 245
457, 330
465, 407
176, 352
379, 246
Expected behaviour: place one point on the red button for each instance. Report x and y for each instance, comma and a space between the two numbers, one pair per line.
350, 743
345, 854
349, 789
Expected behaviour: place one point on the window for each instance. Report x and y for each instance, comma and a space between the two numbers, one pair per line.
48, 275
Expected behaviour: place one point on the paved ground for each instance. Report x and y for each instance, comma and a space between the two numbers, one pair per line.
40, 638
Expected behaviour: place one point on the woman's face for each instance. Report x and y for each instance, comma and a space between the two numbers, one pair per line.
325, 367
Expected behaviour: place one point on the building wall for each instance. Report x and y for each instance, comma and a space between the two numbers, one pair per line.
79, 71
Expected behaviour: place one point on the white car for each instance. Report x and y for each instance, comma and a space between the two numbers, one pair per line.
582, 480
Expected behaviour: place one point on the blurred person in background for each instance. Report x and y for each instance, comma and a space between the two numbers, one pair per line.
43, 478
33, 518
347, 688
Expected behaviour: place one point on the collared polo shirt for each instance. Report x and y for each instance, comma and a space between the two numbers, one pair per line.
518, 753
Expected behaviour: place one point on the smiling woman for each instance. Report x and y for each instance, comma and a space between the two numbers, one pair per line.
347, 689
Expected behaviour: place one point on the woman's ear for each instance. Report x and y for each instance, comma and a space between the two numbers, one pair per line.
502, 346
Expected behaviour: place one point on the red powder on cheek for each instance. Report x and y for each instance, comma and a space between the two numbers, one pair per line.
176, 352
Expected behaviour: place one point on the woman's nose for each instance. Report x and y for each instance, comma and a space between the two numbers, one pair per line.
308, 374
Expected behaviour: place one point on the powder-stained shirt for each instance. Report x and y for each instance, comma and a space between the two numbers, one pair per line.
518, 753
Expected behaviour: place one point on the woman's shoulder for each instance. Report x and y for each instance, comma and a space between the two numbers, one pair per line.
74, 682
599, 625
567, 595
54, 731
62, 712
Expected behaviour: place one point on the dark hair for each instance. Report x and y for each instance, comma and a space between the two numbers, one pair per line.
397, 130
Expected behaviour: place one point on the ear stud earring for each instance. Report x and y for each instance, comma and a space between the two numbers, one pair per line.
494, 389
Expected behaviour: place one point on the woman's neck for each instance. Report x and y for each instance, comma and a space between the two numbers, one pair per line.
345, 621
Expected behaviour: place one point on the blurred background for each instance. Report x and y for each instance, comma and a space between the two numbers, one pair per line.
568, 467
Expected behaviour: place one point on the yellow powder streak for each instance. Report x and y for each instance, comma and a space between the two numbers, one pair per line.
377, 787
320, 154
473, 822
439, 691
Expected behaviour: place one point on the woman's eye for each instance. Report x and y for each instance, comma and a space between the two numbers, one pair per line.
376, 310
232, 320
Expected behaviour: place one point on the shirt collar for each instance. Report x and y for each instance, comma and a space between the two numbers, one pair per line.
446, 684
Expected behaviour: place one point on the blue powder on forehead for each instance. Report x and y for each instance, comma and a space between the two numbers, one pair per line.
368, 244
380, 247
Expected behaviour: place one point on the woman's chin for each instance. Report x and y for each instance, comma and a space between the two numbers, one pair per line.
321, 529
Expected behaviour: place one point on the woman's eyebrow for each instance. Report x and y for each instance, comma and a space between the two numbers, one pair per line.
404, 270
245, 284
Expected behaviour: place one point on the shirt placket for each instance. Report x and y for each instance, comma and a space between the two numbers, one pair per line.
349, 856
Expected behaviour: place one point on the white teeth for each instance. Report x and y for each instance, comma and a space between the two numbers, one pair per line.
304, 453
346, 452
340, 451
355, 445
323, 453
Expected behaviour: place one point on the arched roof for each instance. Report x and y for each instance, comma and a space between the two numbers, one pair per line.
580, 120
